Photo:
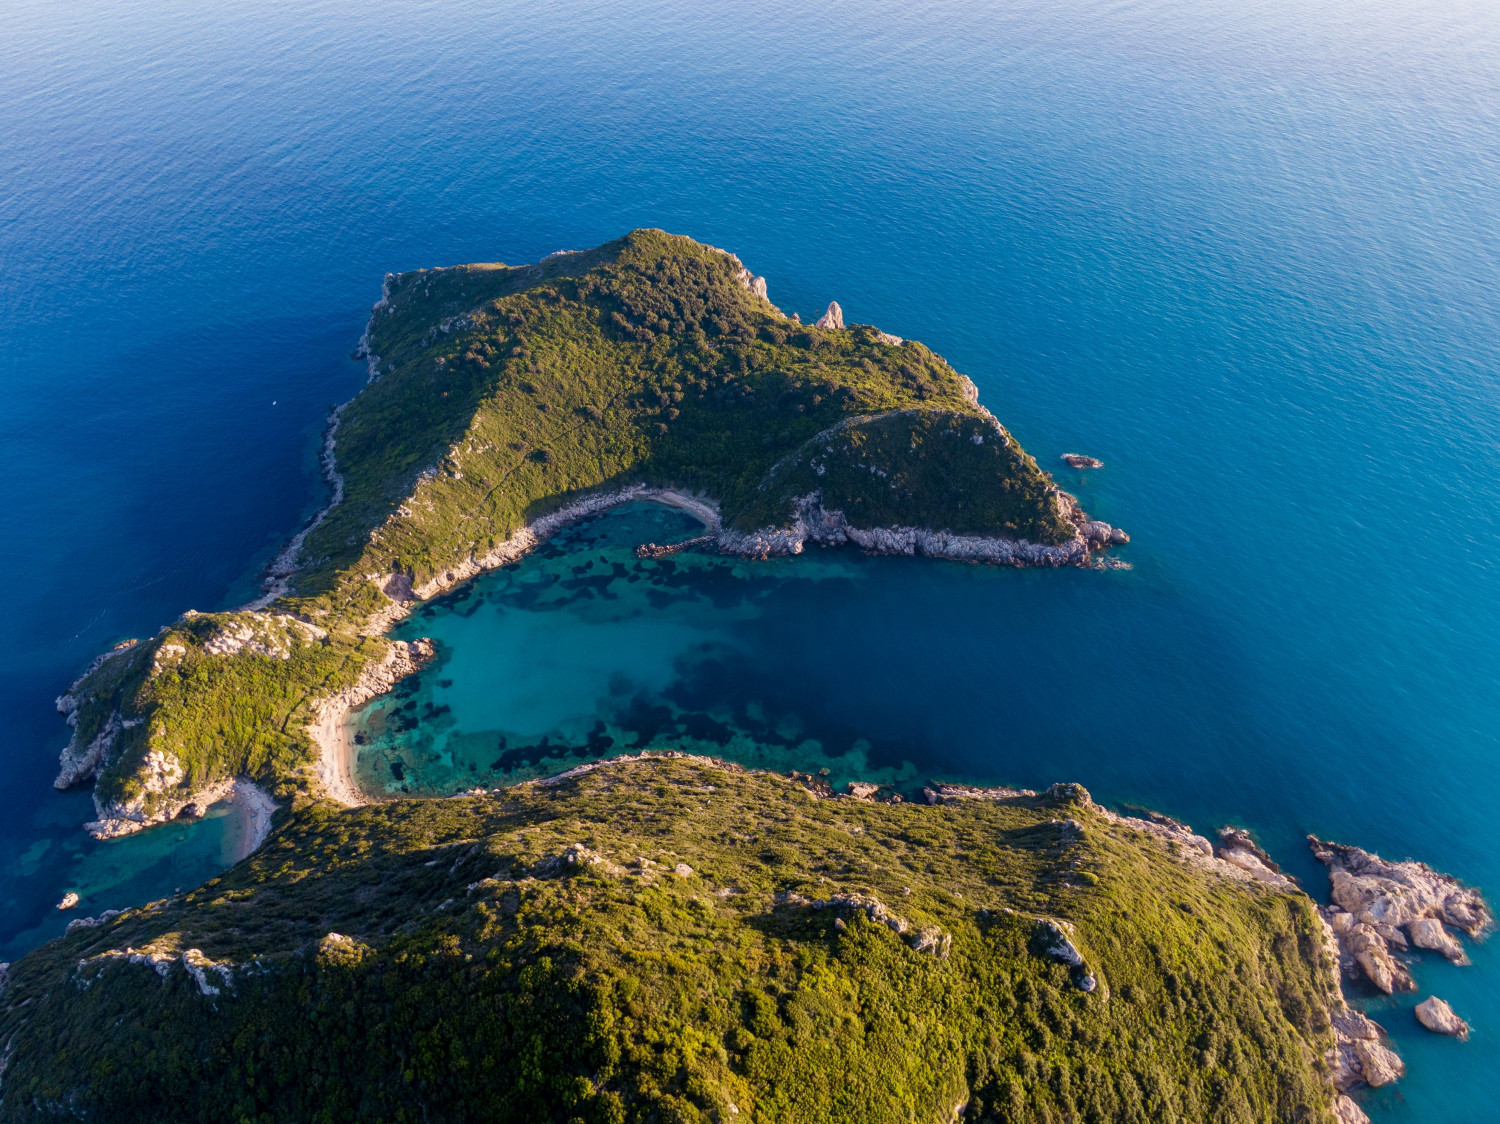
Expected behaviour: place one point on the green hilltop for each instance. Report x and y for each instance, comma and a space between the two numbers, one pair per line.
676, 940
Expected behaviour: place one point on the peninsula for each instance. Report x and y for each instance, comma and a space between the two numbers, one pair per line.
506, 402
664, 937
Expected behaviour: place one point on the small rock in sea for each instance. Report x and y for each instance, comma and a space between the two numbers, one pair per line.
1078, 460
69, 900
1438, 1017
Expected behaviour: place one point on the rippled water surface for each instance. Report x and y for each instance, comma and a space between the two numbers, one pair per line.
1248, 255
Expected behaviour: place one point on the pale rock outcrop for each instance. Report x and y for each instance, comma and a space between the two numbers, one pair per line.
261, 634
1345, 1111
161, 961
156, 798
575, 860
82, 763
1438, 1017
1375, 900
833, 318
863, 790
1360, 1055
1428, 933
889, 340
814, 523
93, 922
1237, 848
1052, 939
69, 900
927, 939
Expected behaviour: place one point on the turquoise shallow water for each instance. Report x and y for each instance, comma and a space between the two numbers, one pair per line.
1248, 255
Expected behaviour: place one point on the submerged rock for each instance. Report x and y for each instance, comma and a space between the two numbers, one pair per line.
1438, 1017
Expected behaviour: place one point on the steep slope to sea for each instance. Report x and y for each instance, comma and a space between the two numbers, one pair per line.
1246, 258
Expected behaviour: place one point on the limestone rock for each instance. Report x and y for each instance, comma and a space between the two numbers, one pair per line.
1078, 460
1380, 1064
1374, 900
1345, 1111
1360, 1053
1427, 932
574, 860
1401, 892
1438, 1017
833, 318
1050, 939
69, 900
863, 790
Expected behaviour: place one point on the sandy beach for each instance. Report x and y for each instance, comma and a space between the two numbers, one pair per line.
336, 761
249, 819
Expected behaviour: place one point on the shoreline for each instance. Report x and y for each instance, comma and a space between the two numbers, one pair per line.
336, 757
251, 808
812, 523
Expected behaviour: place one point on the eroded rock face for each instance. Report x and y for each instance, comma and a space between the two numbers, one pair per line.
1438, 1017
1380, 908
815, 523
1050, 939
833, 318
1360, 1053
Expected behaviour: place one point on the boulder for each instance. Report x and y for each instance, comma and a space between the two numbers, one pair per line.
863, 790
69, 900
1428, 933
1438, 1017
1360, 1055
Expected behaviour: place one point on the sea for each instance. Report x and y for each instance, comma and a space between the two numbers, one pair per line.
1246, 254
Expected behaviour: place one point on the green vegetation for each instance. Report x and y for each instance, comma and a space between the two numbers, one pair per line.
240, 711
503, 393
479, 975
506, 391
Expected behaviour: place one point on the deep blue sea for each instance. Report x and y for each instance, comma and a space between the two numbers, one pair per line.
1248, 254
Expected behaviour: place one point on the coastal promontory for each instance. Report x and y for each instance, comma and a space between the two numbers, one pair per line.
505, 402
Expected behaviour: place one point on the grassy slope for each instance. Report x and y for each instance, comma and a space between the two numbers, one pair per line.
591, 996
505, 391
